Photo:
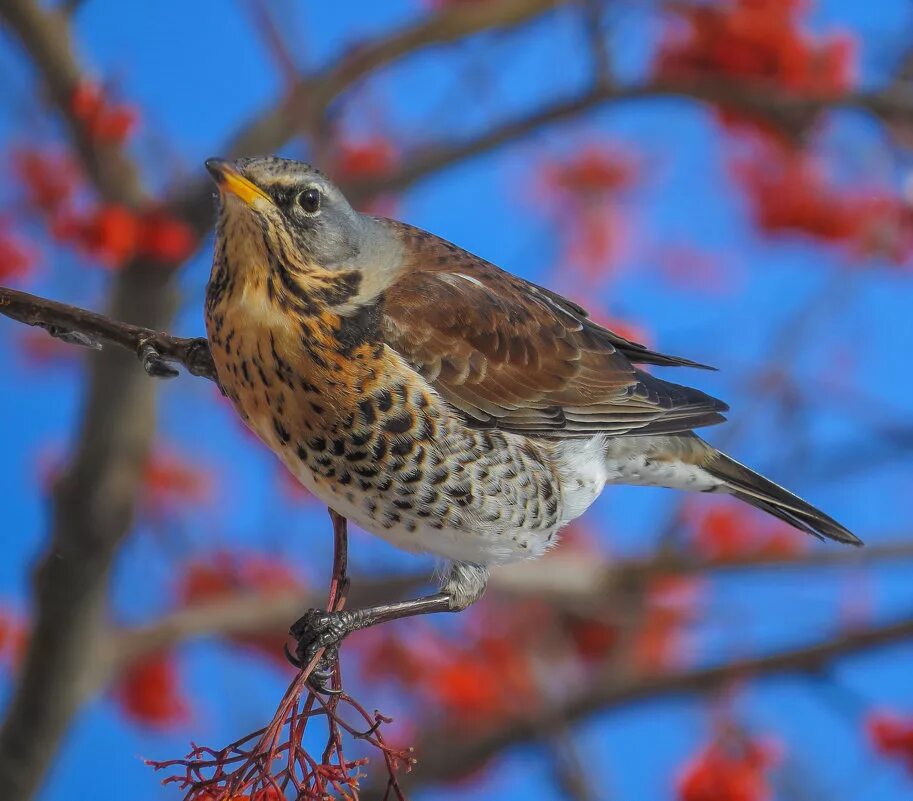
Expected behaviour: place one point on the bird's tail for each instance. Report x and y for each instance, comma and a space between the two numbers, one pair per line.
751, 487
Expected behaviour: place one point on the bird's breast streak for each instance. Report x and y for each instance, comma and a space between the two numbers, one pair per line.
370, 438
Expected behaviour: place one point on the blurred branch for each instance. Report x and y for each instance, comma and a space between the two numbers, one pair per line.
573, 581
449, 754
789, 111
306, 105
93, 502
46, 36
238, 615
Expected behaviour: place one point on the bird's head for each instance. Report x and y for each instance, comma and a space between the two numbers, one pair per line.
282, 220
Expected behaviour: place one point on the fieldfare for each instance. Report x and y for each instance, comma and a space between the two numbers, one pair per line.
434, 399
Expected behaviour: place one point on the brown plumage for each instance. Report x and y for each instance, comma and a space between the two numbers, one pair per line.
433, 398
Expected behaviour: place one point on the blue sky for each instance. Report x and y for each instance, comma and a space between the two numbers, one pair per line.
198, 71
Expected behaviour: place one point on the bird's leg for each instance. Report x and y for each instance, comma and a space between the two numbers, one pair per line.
318, 628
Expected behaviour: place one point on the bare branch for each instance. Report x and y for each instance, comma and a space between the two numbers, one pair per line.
93, 502
448, 754
45, 35
308, 101
89, 329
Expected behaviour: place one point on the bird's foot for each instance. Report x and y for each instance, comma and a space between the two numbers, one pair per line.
318, 629
154, 363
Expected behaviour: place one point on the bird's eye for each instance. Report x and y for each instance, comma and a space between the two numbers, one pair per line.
309, 200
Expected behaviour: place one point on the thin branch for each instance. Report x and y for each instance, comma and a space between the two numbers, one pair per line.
89, 329
447, 754
46, 36
789, 110
304, 108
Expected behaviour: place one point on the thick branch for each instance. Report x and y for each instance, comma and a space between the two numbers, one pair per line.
574, 582
93, 503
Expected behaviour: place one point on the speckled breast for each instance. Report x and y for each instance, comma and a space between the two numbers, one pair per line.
370, 438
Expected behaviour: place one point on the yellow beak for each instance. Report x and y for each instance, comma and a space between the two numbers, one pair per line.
228, 179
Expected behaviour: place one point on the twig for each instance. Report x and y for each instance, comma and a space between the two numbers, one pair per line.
274, 758
89, 329
446, 754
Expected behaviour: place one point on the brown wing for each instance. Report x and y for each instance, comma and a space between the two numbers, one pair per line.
515, 356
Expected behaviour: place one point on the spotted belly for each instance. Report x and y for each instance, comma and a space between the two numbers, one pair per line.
409, 471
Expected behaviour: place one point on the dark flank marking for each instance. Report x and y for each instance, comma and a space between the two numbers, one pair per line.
339, 447
400, 423
323, 461
411, 476
317, 444
438, 476
246, 372
316, 407
367, 411
380, 449
314, 354
307, 386
384, 484
402, 447
362, 438
281, 431
358, 328
356, 456
426, 430
263, 378
301, 452
384, 400
402, 504
365, 486
344, 287
371, 506
345, 478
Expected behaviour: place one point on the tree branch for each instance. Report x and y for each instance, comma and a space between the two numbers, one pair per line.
89, 329
93, 502
447, 754
306, 105
46, 36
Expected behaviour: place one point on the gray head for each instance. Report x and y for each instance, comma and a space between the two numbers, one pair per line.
292, 203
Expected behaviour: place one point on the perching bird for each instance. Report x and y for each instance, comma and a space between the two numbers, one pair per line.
434, 399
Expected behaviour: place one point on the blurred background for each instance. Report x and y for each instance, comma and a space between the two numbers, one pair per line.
727, 181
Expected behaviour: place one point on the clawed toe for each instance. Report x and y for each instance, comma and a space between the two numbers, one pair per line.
317, 629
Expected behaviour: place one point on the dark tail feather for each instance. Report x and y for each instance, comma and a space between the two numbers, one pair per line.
763, 494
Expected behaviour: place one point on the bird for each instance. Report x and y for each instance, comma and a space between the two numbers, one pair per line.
436, 400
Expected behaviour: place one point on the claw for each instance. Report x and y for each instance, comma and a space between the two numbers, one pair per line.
155, 364
317, 629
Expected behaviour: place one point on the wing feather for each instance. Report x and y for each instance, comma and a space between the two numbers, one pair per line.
512, 355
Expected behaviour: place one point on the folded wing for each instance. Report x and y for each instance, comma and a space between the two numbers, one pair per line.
512, 355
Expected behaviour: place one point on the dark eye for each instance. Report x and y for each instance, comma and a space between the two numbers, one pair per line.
309, 200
